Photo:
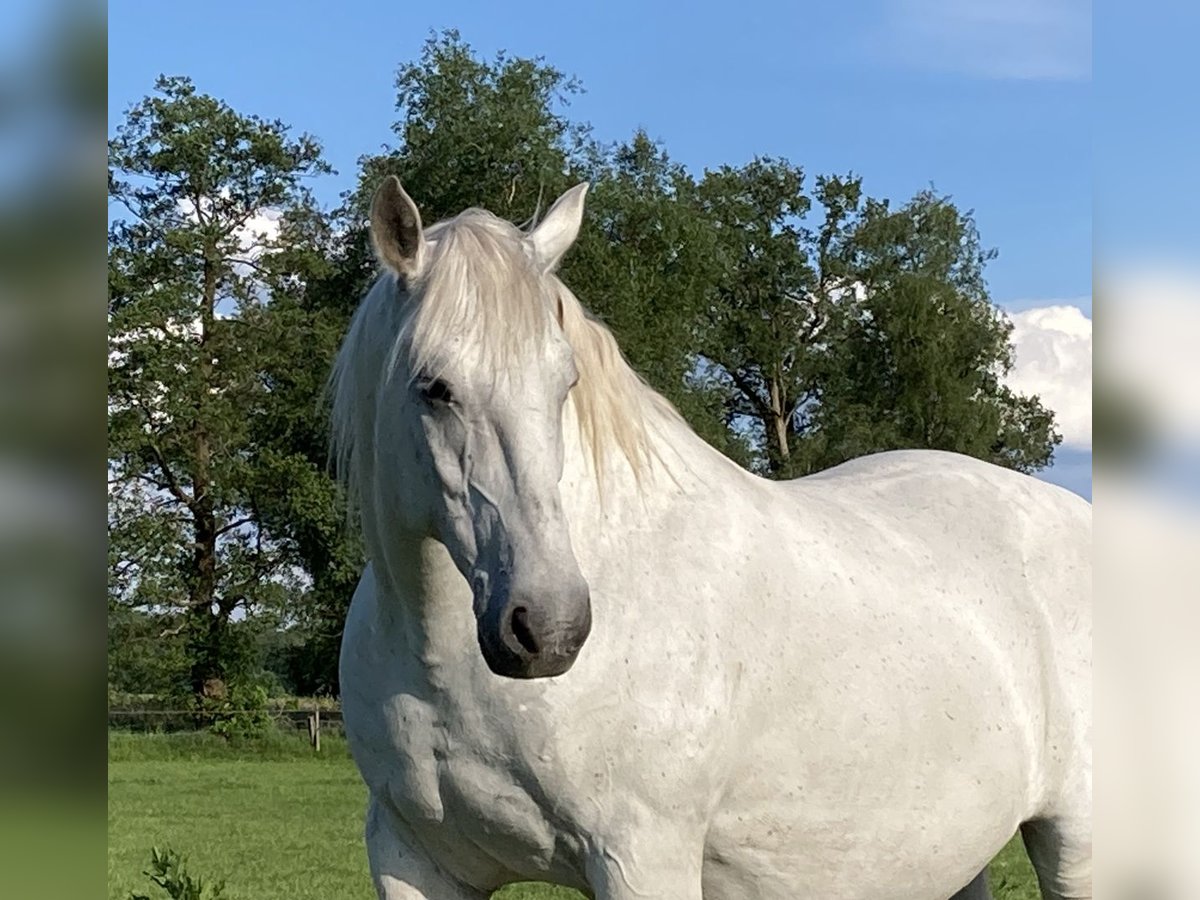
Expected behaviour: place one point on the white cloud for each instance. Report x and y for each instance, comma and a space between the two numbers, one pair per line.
1053, 359
255, 236
1003, 39
258, 235
260, 230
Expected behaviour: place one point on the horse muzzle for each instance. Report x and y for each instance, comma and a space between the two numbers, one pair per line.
523, 636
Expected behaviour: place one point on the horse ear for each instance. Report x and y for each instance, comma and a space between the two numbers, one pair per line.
396, 229
555, 234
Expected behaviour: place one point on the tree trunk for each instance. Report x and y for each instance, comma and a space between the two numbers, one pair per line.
205, 627
778, 429
207, 623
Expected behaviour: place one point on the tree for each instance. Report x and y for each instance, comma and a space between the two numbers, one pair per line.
919, 349
200, 190
843, 327
473, 132
764, 312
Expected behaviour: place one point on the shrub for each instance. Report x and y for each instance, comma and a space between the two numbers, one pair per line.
242, 714
168, 870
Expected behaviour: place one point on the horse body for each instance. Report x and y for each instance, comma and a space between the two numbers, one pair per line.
853, 685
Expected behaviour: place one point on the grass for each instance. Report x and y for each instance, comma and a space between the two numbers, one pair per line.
276, 821
270, 818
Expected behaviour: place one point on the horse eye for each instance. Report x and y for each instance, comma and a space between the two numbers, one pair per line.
437, 391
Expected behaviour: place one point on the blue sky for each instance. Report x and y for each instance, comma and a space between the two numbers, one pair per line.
988, 100
1147, 132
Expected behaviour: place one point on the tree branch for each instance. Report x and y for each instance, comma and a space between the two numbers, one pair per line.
249, 263
172, 632
804, 397
124, 201
172, 483
246, 520
750, 391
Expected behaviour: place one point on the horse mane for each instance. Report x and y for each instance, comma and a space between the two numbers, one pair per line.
483, 290
614, 405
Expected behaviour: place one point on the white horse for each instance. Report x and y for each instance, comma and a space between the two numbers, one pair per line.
591, 650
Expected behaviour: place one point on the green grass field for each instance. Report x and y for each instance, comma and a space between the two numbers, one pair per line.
275, 821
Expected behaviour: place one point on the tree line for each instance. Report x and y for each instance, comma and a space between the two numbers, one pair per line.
795, 320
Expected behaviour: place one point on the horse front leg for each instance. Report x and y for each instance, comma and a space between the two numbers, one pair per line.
400, 871
976, 890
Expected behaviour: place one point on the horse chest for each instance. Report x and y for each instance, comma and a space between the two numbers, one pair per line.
468, 804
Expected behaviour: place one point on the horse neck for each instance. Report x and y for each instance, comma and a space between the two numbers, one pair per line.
426, 603
609, 497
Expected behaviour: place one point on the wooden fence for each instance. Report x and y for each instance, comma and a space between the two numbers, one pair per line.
313, 720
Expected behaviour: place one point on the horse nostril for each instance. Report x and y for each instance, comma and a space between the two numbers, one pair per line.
521, 631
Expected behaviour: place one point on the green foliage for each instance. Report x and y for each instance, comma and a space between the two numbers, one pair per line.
168, 870
479, 133
917, 358
148, 655
145, 654
763, 312
844, 327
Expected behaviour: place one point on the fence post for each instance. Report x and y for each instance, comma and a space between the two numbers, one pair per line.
317, 729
